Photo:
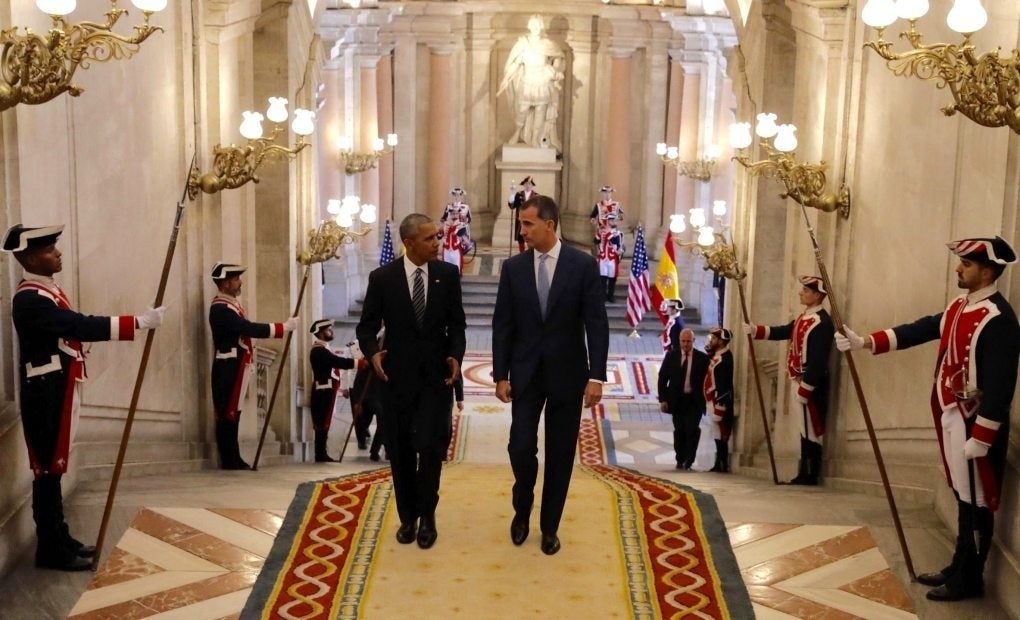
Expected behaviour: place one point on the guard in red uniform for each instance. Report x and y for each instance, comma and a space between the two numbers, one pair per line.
51, 365
232, 358
975, 375
601, 212
610, 253
807, 364
719, 395
326, 366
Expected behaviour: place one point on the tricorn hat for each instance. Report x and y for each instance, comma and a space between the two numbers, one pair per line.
607, 188
814, 283
995, 250
721, 333
20, 238
674, 302
457, 191
319, 325
222, 271
528, 179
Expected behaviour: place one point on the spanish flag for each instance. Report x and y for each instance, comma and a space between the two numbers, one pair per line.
665, 285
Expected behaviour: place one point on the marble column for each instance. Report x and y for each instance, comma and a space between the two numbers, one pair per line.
673, 110
384, 98
440, 136
618, 158
405, 97
368, 131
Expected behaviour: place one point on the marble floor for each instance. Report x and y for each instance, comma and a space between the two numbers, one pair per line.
189, 545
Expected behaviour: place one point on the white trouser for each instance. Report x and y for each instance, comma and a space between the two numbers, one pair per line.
954, 435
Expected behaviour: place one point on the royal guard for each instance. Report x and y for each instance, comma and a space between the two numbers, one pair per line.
611, 250
975, 377
51, 366
452, 247
719, 395
326, 366
672, 309
807, 365
458, 213
232, 358
515, 202
602, 210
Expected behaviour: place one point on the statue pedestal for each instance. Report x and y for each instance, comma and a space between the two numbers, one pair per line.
515, 163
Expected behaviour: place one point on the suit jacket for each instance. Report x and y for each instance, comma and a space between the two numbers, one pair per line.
416, 356
671, 379
523, 341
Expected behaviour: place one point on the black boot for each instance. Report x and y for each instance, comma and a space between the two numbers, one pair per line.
235, 426
723, 449
52, 549
804, 465
718, 466
320, 448
79, 548
967, 579
611, 291
223, 445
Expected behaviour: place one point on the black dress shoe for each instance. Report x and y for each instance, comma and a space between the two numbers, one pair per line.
932, 580
519, 529
550, 544
427, 532
70, 563
373, 457
362, 444
946, 593
85, 551
405, 533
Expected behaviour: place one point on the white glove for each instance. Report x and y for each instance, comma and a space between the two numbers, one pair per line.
151, 318
850, 342
974, 449
749, 329
290, 324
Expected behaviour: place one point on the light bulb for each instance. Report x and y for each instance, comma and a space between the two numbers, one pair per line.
149, 6
677, 224
333, 206
719, 208
713, 152
706, 236
304, 122
672, 152
369, 214
660, 149
879, 13
345, 220
251, 125
785, 140
346, 143
56, 7
740, 135
391, 139
697, 217
350, 205
967, 16
378, 144
277, 111
911, 9
766, 127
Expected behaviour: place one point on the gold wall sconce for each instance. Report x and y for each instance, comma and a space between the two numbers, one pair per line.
711, 244
325, 242
233, 166
805, 183
985, 88
354, 162
699, 169
35, 68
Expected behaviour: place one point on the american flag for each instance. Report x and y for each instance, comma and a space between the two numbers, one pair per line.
637, 290
386, 255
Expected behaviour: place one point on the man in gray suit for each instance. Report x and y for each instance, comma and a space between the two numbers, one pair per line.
550, 301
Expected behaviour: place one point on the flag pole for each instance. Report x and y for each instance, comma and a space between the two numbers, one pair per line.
142, 366
839, 325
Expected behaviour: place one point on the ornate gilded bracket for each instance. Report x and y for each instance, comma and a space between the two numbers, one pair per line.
233, 166
35, 69
355, 163
720, 257
324, 243
805, 183
985, 88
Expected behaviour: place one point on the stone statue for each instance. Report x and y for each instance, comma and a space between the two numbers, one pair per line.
533, 80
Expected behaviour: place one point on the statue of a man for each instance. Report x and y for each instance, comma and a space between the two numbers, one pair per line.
533, 80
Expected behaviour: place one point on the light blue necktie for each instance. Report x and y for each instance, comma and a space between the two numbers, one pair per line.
542, 282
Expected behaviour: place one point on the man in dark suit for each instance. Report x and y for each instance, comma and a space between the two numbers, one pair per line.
418, 299
550, 300
682, 395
